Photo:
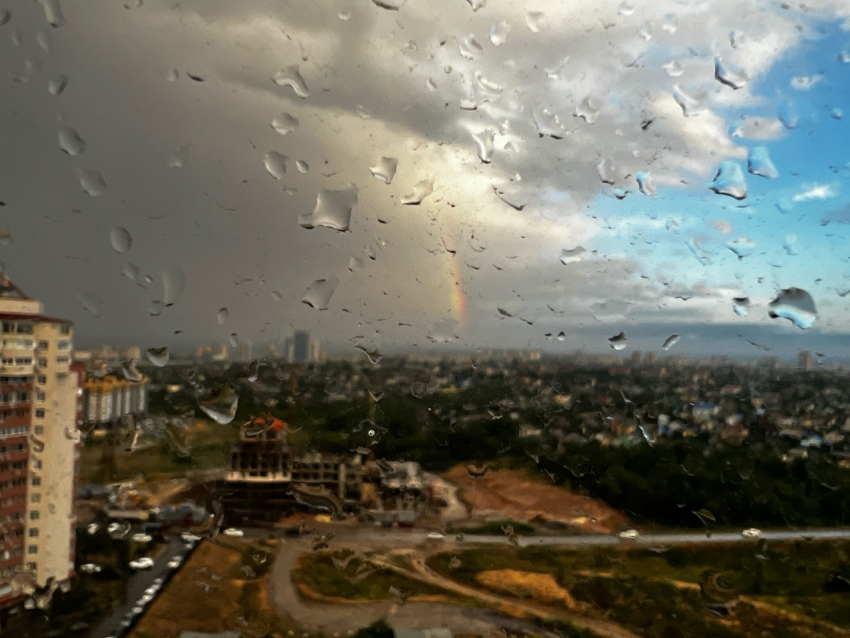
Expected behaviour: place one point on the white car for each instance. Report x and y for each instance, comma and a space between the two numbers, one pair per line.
629, 534
141, 538
189, 537
232, 531
145, 599
751, 533
435, 536
138, 610
113, 527
91, 568
92, 529
174, 563
142, 563
151, 591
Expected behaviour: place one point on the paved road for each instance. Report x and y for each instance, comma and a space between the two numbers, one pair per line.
139, 582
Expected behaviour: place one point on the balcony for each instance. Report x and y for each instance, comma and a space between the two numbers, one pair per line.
17, 370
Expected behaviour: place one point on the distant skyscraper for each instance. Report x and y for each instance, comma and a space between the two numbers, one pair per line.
804, 360
244, 351
39, 447
301, 347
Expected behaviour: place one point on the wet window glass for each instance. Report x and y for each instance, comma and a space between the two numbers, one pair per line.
407, 319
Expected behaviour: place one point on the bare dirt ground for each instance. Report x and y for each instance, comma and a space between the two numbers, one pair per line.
542, 587
502, 494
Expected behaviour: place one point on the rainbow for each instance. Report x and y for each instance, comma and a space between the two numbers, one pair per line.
458, 296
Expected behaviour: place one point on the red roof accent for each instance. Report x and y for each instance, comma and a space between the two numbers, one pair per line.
44, 318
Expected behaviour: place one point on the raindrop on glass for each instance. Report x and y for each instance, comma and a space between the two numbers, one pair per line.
673, 69
477, 4
130, 372
618, 341
535, 21
121, 240
420, 191
57, 85
484, 144
173, 284
469, 47
332, 210
355, 264
302, 166
276, 164
220, 405
291, 77
742, 246
741, 306
234, 340
384, 169
836, 113
670, 341
45, 40
730, 180
645, 183
70, 141
759, 163
499, 33
796, 305
222, 315
729, 75
443, 331
554, 72
392, 5
254, 369
91, 182
572, 255
5, 16
626, 9
788, 245
158, 356
588, 110
692, 101
319, 293
670, 23
53, 13
179, 159
284, 123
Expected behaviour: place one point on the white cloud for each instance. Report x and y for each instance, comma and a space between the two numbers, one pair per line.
805, 82
816, 191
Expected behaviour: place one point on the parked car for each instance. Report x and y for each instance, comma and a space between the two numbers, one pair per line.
189, 537
142, 563
435, 536
232, 531
629, 534
141, 538
174, 563
92, 529
91, 568
751, 533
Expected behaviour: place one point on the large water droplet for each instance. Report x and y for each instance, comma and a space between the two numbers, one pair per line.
477, 4
673, 69
788, 245
291, 77
220, 405
254, 369
554, 72
333, 209
276, 164
796, 305
222, 315
742, 246
730, 180
45, 41
420, 191
5, 16
618, 341
91, 182
443, 331
548, 124
588, 110
484, 144
645, 183
384, 169
759, 163
173, 284
70, 141
319, 293
535, 21
53, 13
179, 159
606, 172
572, 255
789, 114
481, 91
392, 5
234, 340
729, 75
130, 372
158, 356
57, 85
284, 123
844, 56
469, 47
741, 306
24, 74
355, 264
373, 354
670, 341
121, 240
692, 101
670, 23
626, 9
499, 33
302, 166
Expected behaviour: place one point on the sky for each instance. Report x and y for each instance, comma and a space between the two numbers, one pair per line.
161, 160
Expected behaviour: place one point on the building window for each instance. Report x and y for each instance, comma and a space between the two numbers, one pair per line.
35, 498
40, 396
36, 481
63, 345
39, 413
32, 549
42, 379
23, 361
64, 329
62, 360
39, 429
42, 345
34, 515
8, 326
36, 463
33, 532
42, 362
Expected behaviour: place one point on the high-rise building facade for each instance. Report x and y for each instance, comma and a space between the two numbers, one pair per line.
804, 360
39, 447
301, 346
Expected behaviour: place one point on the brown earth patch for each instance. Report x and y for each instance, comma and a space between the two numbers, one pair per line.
543, 588
502, 494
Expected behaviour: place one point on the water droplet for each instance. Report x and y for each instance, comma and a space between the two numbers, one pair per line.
179, 159
384, 169
743, 246
796, 305
741, 306
443, 331
670, 23
572, 255
91, 302
484, 144
254, 369
692, 102
5, 16
333, 209
788, 244
618, 341
284, 123
344, 15
130, 372
554, 72
158, 356
291, 77
276, 296
276, 164
729, 75
91, 182
173, 284
373, 354
499, 33
431, 85
670, 341
730, 180
789, 115
645, 183
172, 75
535, 21
45, 40
469, 47
420, 191
234, 340
319, 293
548, 124
606, 171
844, 56
561, 336
121, 240
302, 166
392, 5
53, 13
759, 163
222, 315
626, 9
836, 113
221, 404
673, 69
481, 91
645, 31
477, 4
24, 75
17, 37
355, 264
57, 85
588, 110
70, 141
131, 272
